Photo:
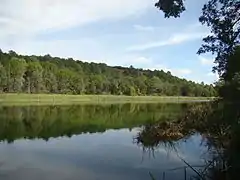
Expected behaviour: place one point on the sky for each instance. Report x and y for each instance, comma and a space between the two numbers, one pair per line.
115, 32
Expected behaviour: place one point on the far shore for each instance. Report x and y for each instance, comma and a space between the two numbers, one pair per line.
65, 99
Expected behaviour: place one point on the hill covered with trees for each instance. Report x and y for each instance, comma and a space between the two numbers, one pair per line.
46, 74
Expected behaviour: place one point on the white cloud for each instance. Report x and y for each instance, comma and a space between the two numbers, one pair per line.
81, 48
173, 40
31, 16
145, 63
180, 72
131, 59
22, 20
205, 61
144, 28
183, 71
158, 67
141, 60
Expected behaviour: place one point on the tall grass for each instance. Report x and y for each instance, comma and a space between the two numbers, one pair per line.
60, 99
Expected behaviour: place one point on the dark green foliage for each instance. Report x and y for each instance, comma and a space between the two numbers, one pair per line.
33, 77
54, 121
223, 17
171, 8
15, 68
233, 65
229, 86
218, 124
3, 78
46, 74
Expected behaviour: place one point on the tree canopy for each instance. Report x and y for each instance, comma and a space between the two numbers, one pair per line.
223, 18
46, 74
171, 8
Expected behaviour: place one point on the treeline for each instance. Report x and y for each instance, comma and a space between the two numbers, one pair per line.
46, 74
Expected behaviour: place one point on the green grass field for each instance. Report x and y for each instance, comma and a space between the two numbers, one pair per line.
60, 99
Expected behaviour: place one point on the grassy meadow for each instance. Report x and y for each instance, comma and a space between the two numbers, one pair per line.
60, 99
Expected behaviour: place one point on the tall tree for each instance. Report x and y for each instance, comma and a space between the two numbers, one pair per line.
33, 76
15, 69
223, 18
49, 77
3, 78
64, 77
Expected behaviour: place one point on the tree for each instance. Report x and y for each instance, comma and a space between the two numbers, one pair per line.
33, 76
230, 88
140, 83
46, 74
132, 91
154, 85
171, 8
49, 77
12, 53
64, 77
3, 78
15, 70
232, 66
223, 17
185, 90
77, 84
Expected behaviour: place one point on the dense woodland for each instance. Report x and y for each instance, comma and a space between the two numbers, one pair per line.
46, 74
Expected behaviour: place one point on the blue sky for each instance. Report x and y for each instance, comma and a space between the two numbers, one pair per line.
116, 32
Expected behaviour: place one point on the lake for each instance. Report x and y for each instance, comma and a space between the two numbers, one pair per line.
93, 142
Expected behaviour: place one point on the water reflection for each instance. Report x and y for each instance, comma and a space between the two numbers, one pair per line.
217, 124
108, 155
102, 142
54, 121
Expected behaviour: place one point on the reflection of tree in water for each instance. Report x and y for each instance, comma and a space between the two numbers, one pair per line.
53, 121
218, 124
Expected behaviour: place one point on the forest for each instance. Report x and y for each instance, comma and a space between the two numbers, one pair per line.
47, 74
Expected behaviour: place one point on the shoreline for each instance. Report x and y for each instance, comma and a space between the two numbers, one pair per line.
65, 99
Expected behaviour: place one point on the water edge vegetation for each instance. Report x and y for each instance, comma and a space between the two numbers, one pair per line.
61, 99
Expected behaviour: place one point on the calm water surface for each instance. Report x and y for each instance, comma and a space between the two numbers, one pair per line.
91, 143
